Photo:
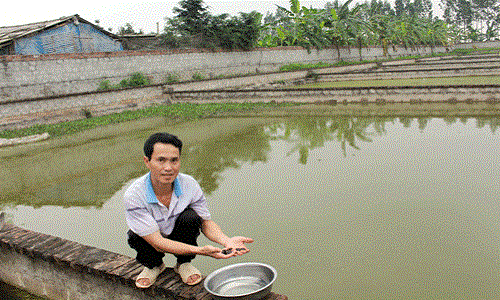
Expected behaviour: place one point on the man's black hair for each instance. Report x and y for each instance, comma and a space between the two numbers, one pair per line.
161, 137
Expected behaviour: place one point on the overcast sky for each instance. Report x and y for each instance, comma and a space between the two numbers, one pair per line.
142, 15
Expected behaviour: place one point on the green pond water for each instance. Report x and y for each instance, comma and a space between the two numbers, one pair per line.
342, 207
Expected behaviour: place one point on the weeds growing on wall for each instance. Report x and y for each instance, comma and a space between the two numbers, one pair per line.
198, 76
135, 80
172, 78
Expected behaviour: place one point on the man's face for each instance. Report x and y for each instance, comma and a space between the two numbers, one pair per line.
164, 164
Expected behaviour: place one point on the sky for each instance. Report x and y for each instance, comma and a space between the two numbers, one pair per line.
141, 15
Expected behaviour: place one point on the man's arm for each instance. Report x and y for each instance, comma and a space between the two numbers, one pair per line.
213, 232
162, 244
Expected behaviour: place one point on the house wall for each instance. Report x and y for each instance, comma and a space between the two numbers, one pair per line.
67, 38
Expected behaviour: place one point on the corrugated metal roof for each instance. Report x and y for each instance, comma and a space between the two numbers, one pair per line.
9, 33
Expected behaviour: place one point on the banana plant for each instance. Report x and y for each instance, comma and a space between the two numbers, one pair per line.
305, 27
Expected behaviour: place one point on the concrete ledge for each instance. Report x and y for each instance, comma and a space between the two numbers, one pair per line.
24, 140
59, 269
409, 94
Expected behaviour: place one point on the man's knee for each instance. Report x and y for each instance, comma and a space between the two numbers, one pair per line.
189, 218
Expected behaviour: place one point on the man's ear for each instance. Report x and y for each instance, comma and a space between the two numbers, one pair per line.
146, 160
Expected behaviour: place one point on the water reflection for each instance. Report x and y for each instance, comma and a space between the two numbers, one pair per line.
88, 174
308, 134
206, 161
342, 207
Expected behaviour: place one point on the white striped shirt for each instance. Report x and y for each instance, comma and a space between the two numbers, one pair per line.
146, 215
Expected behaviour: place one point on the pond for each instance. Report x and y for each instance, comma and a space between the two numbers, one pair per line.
342, 207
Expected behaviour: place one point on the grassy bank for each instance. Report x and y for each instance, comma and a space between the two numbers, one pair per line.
431, 81
176, 112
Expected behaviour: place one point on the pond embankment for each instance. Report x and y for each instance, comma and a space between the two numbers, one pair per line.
25, 77
271, 86
428, 67
59, 269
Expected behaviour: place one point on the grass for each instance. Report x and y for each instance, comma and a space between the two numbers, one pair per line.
179, 111
434, 81
475, 51
301, 66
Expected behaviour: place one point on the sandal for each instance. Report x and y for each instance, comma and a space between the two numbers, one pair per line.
150, 274
186, 270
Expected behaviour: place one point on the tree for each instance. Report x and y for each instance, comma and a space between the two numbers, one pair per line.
345, 27
232, 33
488, 16
379, 7
191, 16
128, 29
301, 26
194, 26
399, 7
459, 12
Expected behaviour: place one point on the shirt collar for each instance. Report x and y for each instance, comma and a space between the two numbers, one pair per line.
151, 193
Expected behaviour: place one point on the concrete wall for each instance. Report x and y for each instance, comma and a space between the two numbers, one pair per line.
491, 44
19, 114
24, 114
59, 269
25, 77
41, 79
490, 94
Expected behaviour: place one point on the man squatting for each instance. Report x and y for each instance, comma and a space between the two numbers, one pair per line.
165, 212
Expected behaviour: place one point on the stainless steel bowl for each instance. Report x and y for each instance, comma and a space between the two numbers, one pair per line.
243, 281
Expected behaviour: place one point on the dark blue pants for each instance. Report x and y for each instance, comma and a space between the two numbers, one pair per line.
186, 230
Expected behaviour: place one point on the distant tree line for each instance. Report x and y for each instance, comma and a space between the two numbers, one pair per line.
407, 23
194, 26
476, 20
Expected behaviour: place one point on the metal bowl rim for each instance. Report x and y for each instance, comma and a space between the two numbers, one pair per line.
218, 271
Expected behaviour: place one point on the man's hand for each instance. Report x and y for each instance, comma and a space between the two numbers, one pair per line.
214, 252
236, 245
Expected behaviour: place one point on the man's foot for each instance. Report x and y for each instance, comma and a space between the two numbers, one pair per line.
189, 274
148, 276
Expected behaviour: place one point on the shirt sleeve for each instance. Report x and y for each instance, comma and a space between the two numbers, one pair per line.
199, 202
139, 219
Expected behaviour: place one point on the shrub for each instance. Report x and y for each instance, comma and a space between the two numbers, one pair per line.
105, 85
172, 77
138, 79
123, 83
198, 76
